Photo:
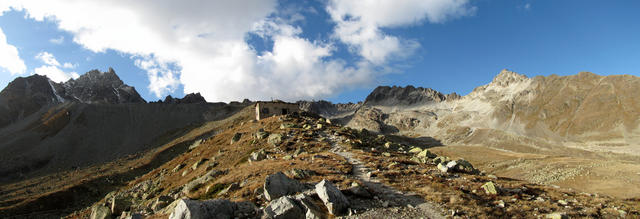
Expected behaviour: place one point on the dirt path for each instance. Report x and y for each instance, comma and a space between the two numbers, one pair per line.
388, 201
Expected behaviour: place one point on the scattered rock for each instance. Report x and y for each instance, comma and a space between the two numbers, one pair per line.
233, 187
358, 190
283, 207
129, 215
312, 210
556, 216
300, 174
100, 212
278, 185
333, 199
216, 208
415, 150
236, 137
261, 134
160, 203
288, 125
319, 126
424, 154
386, 154
197, 164
178, 167
287, 157
257, 155
562, 202
490, 188
199, 182
443, 167
275, 139
119, 204
195, 144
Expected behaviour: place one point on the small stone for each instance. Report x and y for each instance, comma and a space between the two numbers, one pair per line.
443, 168
236, 137
425, 154
385, 204
490, 188
562, 202
386, 154
556, 215
319, 126
500, 204
415, 150
275, 139
287, 157
178, 167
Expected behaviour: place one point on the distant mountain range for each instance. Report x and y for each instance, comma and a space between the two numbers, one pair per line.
512, 112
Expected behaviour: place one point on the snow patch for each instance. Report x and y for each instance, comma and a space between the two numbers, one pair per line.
60, 99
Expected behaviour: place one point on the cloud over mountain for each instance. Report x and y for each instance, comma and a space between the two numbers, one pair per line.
201, 45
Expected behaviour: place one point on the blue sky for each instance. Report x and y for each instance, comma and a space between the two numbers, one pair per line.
334, 50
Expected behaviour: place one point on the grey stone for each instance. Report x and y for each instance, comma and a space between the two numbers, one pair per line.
236, 137
333, 199
100, 212
257, 155
214, 209
278, 185
283, 207
275, 139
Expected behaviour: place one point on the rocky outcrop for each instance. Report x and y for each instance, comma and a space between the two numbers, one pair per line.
187, 99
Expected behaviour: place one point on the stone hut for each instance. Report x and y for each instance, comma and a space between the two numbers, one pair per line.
265, 109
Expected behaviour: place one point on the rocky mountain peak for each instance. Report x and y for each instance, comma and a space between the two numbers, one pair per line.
409, 95
506, 78
101, 87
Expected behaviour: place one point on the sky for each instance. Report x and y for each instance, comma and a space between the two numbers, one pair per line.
337, 50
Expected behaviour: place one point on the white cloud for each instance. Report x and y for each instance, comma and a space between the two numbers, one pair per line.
9, 57
527, 6
51, 68
69, 65
47, 58
54, 73
359, 23
201, 44
59, 40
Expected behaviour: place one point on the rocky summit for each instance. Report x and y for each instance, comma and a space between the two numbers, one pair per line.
517, 147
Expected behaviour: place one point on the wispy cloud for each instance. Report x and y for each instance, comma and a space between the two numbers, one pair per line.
58, 40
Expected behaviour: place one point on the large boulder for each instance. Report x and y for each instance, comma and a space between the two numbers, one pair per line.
100, 212
285, 208
210, 209
333, 199
278, 185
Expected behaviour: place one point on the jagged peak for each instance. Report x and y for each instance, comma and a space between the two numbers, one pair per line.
507, 77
